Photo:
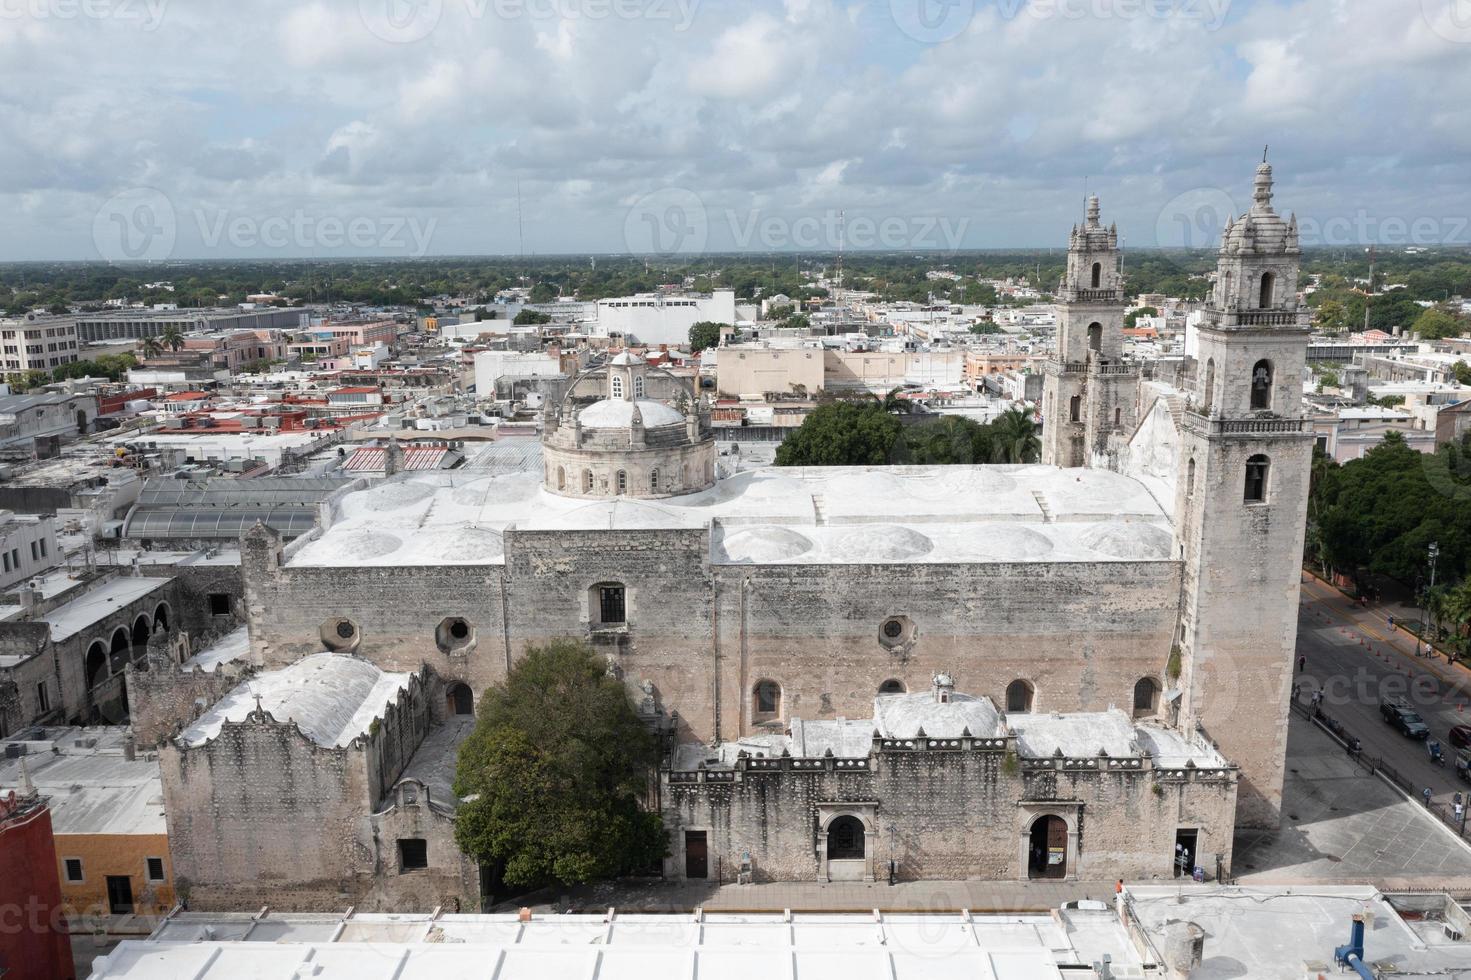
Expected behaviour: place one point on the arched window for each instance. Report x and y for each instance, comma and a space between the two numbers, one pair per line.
587, 481
622, 482
1097, 274
654, 481
616, 385
1261, 385
766, 699
1208, 394
892, 686
1095, 336
140, 631
1190, 479
561, 478
121, 642
1146, 697
1019, 697
96, 664
1118, 417
1264, 301
845, 839
1257, 468
638, 386
161, 617
1075, 409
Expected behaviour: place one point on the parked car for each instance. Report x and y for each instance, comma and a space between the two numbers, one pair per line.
1460, 736
1403, 719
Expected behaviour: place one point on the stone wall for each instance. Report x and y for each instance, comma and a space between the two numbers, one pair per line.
166, 697
450, 881
955, 813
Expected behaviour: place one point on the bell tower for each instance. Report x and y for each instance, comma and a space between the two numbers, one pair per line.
1241, 502
1090, 391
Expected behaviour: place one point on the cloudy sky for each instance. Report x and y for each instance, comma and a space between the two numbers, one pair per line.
229, 128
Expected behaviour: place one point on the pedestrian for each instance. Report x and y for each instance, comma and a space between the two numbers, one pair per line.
1301, 663
1427, 794
1457, 797
1391, 622
1317, 697
1460, 812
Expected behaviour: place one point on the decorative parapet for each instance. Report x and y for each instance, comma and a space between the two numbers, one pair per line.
1195, 422
1097, 763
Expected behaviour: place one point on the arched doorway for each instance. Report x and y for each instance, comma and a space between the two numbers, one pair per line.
161, 616
140, 631
845, 839
459, 700
1047, 848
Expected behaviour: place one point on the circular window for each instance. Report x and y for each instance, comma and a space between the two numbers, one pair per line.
346, 629
459, 629
893, 629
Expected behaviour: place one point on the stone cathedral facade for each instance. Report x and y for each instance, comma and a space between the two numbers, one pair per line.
1076, 668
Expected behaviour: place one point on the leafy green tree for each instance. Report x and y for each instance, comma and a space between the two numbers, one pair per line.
985, 327
1463, 372
841, 434
553, 774
1132, 317
1331, 317
705, 334
950, 440
1437, 324
1014, 437
172, 337
543, 292
797, 321
978, 294
530, 317
23, 381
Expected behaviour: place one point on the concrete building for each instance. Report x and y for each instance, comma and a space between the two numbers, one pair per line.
493, 365
140, 324
35, 944
111, 843
66, 412
661, 318
28, 547
36, 342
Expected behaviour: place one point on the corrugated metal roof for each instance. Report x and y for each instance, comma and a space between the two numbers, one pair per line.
371, 459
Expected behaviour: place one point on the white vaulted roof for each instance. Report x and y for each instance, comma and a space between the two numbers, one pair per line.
616, 413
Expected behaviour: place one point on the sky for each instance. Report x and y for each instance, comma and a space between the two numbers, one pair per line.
219, 129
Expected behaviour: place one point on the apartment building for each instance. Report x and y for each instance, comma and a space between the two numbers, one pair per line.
37, 342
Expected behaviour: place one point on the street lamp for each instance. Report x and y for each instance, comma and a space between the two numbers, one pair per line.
1434, 553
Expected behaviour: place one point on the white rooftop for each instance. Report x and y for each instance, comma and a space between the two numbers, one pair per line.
332, 698
715, 946
832, 515
227, 649
99, 602
90, 786
617, 413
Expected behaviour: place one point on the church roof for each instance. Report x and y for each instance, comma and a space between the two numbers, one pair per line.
626, 359
617, 413
1261, 229
843, 515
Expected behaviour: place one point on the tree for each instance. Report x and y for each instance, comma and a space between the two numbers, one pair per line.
841, 434
797, 321
553, 774
1463, 372
705, 334
529, 317
1014, 437
1331, 317
985, 327
151, 347
978, 294
1132, 317
1437, 324
172, 337
23, 381
543, 292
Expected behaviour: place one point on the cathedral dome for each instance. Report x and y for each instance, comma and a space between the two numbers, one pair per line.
617, 413
1261, 229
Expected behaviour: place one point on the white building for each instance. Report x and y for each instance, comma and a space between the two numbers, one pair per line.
654, 318
27, 547
37, 342
492, 365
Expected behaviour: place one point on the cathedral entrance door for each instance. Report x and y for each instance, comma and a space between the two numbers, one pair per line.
1047, 853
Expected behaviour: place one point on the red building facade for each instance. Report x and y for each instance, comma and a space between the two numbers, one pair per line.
34, 941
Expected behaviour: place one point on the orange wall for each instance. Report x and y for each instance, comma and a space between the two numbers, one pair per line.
115, 854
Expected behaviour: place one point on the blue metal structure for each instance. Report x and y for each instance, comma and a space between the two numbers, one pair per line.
1352, 955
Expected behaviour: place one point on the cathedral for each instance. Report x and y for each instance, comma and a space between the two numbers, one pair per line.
1073, 669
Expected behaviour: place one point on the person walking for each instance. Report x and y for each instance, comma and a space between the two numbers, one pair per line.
1301, 663
1427, 794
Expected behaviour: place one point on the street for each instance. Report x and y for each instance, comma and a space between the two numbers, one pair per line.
1356, 659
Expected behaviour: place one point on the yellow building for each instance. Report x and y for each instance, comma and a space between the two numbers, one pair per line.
112, 846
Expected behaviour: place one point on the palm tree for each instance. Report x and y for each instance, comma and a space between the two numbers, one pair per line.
172, 337
151, 347
1014, 437
894, 405
1458, 612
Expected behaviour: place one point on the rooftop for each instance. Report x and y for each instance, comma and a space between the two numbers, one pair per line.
98, 603
91, 786
332, 698
797, 516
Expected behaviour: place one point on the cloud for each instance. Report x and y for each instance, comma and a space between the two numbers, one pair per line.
280, 106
